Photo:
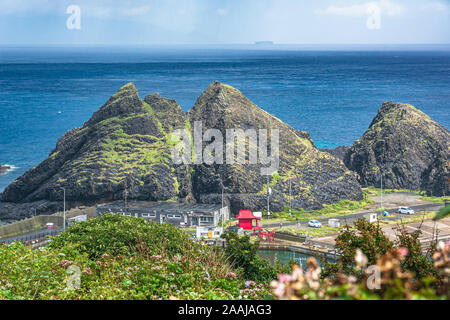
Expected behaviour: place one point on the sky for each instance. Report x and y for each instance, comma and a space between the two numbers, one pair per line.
149, 22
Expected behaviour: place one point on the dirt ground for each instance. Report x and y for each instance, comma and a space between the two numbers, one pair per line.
398, 199
89, 211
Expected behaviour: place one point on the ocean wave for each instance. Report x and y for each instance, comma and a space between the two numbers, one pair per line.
10, 167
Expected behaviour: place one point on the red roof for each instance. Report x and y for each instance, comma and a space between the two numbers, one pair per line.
246, 214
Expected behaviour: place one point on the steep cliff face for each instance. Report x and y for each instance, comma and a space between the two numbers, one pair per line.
124, 146
339, 152
317, 177
406, 147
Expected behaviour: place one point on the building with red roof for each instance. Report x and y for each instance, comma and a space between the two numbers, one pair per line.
246, 218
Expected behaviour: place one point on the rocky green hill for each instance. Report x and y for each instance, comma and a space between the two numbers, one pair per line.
127, 145
317, 177
124, 145
406, 147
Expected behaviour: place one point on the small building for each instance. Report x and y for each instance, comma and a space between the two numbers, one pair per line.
246, 218
371, 217
334, 223
178, 214
77, 219
258, 214
209, 232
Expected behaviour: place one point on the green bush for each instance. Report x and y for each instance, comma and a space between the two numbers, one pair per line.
116, 234
121, 258
373, 243
242, 253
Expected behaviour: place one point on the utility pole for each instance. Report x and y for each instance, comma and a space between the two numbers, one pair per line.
381, 174
35, 209
223, 211
268, 197
125, 192
64, 206
381, 188
290, 196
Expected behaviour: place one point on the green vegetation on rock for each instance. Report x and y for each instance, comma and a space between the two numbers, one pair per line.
406, 147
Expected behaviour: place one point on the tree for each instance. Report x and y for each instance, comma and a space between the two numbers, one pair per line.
367, 237
371, 240
243, 253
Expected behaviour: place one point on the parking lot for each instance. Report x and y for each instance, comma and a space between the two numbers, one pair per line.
429, 229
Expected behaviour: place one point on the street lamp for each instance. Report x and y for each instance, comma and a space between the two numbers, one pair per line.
290, 196
381, 174
381, 205
38, 207
222, 196
268, 197
223, 211
64, 206
125, 195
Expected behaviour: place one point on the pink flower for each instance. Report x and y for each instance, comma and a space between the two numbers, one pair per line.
284, 277
403, 252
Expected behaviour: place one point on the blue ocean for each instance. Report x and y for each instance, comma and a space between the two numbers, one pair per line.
332, 94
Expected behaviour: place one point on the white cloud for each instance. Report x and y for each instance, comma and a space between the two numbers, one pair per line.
137, 11
436, 6
358, 10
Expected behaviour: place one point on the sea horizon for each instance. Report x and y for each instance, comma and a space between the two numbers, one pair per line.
331, 94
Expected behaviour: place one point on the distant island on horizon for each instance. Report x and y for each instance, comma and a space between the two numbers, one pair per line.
258, 43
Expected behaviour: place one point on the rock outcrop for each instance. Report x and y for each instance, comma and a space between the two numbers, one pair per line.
127, 145
4, 169
339, 152
317, 178
406, 147
124, 146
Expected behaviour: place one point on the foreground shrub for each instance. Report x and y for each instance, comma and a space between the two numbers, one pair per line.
385, 280
241, 251
116, 235
370, 239
121, 258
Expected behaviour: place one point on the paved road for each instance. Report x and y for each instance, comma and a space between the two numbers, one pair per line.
349, 219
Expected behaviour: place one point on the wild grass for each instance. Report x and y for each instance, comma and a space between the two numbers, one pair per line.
435, 199
313, 232
342, 208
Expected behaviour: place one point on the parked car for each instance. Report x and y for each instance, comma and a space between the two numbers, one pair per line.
314, 224
405, 210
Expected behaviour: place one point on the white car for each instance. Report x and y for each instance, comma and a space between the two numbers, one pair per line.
405, 210
314, 224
